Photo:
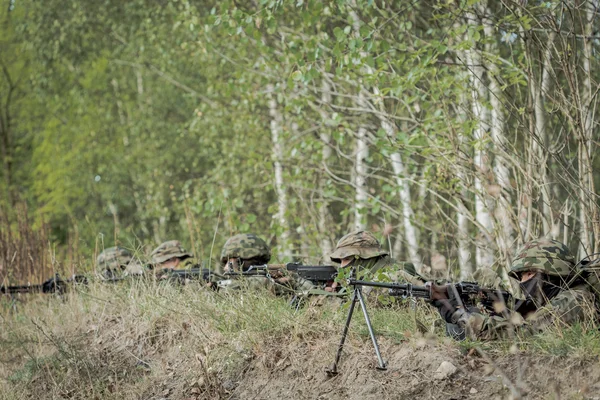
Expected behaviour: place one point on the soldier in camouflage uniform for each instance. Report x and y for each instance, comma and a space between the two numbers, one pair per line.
243, 251
116, 263
171, 255
168, 256
363, 251
554, 295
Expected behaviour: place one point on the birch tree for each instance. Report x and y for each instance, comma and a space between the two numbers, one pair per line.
479, 96
278, 155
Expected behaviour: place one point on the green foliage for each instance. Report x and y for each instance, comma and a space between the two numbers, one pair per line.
143, 121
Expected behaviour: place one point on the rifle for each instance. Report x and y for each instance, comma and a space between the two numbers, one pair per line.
317, 274
53, 285
195, 273
466, 294
58, 285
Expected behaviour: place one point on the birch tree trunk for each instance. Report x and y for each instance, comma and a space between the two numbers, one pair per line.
586, 116
282, 205
539, 141
408, 216
360, 179
462, 220
484, 254
462, 216
325, 156
362, 146
397, 247
504, 235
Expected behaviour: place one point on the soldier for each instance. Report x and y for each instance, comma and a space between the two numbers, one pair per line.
361, 250
554, 295
240, 252
116, 263
171, 255
243, 251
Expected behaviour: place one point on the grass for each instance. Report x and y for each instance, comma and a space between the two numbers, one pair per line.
147, 340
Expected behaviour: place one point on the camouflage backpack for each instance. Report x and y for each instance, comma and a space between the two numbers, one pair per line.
116, 263
360, 243
169, 250
246, 246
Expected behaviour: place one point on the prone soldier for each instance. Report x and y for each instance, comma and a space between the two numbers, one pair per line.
555, 295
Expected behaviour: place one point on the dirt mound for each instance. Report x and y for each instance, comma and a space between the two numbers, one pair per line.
157, 343
416, 370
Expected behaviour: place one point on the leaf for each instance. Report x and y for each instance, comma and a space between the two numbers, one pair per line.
297, 76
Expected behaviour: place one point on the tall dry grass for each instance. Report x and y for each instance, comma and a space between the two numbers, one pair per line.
25, 251
149, 340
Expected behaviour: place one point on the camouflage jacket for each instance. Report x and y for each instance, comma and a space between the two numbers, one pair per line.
575, 305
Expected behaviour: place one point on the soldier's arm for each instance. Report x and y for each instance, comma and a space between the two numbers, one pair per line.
567, 308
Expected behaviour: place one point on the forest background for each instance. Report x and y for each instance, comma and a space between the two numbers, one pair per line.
455, 130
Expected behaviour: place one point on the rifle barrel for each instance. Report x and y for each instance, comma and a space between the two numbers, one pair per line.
397, 289
21, 289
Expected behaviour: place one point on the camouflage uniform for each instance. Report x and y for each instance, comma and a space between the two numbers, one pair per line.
117, 263
554, 303
371, 260
168, 251
250, 250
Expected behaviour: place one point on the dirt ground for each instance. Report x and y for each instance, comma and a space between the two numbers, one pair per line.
415, 371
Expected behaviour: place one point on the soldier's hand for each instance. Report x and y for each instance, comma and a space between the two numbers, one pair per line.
283, 281
332, 288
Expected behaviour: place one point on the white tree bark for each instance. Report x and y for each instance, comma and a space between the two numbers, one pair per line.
463, 215
462, 219
396, 161
408, 216
277, 154
397, 248
539, 141
484, 254
588, 208
325, 156
360, 180
504, 235
362, 147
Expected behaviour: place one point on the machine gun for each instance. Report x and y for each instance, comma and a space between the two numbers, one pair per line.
53, 285
195, 273
465, 294
320, 275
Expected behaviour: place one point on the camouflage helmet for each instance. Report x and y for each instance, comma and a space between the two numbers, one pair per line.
245, 246
360, 243
169, 250
115, 262
546, 255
